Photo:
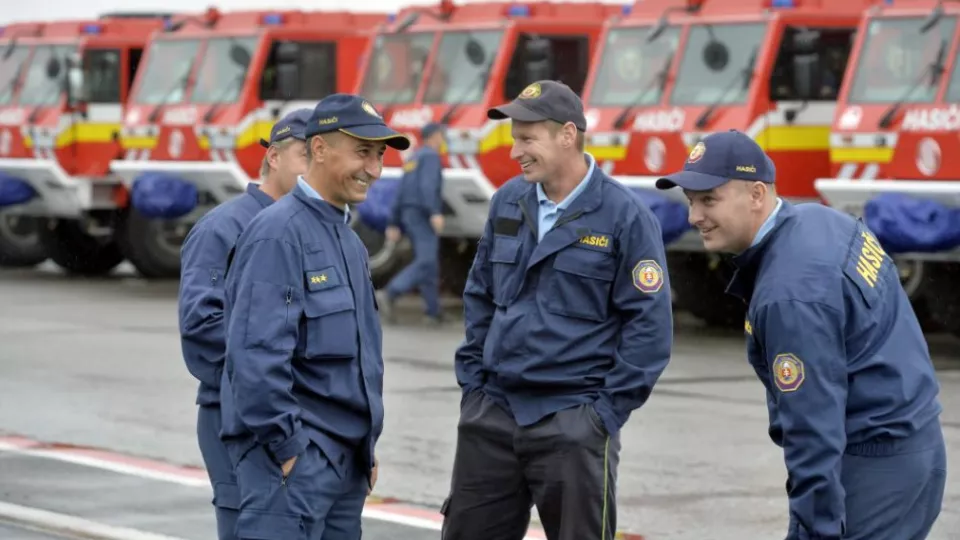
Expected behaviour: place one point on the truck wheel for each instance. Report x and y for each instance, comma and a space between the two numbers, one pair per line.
152, 245
913, 278
20, 241
456, 258
942, 294
699, 281
76, 251
385, 260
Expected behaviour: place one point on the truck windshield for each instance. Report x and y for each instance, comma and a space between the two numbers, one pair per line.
165, 77
953, 91
396, 67
461, 71
220, 78
629, 67
896, 59
714, 63
39, 88
9, 69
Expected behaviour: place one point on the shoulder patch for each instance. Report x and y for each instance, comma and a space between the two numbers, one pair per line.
747, 327
648, 276
410, 165
788, 372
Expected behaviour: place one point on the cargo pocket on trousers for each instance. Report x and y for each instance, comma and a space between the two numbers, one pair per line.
226, 495
264, 525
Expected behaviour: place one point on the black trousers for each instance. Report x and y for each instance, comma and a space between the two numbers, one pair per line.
566, 464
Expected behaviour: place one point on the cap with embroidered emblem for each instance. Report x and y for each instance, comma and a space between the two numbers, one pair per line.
719, 158
356, 117
291, 125
543, 100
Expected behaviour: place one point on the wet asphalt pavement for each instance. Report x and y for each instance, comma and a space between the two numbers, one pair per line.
97, 363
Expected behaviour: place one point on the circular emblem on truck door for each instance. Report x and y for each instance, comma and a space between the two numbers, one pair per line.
928, 156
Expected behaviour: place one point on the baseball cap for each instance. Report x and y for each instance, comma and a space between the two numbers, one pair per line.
291, 125
430, 129
719, 158
543, 100
354, 116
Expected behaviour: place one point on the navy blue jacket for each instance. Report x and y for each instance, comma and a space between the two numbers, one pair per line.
421, 186
304, 340
582, 317
203, 260
833, 338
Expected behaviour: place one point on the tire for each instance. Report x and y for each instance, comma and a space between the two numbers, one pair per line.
385, 260
20, 245
152, 245
942, 295
77, 252
456, 258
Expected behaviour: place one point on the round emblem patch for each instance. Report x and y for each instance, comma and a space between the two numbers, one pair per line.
648, 276
368, 108
697, 152
788, 372
530, 92
928, 156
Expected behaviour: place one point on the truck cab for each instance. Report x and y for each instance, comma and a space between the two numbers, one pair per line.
450, 64
673, 71
897, 117
211, 88
69, 106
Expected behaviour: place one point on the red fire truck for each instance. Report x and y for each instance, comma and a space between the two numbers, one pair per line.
451, 63
62, 88
676, 70
212, 86
898, 115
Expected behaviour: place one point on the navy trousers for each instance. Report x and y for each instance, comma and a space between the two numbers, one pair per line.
424, 272
312, 503
226, 495
894, 489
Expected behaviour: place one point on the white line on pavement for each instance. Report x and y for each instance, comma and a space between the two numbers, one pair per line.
70, 525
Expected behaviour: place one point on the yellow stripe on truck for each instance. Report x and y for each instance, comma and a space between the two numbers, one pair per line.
787, 138
861, 155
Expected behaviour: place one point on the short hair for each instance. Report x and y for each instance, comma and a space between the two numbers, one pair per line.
332, 138
281, 146
555, 128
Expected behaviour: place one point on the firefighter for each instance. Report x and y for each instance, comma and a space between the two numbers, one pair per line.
418, 209
203, 262
851, 391
568, 327
303, 397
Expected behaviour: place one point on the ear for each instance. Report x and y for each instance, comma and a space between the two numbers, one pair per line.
569, 135
318, 148
273, 157
758, 193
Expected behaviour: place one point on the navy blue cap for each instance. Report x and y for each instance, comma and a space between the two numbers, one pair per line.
719, 158
430, 129
291, 125
544, 100
354, 116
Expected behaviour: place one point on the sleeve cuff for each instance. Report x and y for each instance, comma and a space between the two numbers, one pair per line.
289, 448
611, 422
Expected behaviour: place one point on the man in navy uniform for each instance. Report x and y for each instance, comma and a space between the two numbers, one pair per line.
303, 397
851, 390
203, 260
418, 209
568, 327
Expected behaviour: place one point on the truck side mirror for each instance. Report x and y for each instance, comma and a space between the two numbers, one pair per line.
288, 70
475, 53
239, 56
716, 55
53, 67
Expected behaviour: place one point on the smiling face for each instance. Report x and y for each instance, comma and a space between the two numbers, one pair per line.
540, 147
729, 216
350, 166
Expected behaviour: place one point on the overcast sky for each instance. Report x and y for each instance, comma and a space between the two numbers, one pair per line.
18, 10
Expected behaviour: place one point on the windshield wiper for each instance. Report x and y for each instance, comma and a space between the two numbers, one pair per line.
744, 77
218, 102
482, 76
659, 81
12, 85
933, 70
179, 84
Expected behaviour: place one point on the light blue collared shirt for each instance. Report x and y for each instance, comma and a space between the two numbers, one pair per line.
312, 193
550, 211
768, 224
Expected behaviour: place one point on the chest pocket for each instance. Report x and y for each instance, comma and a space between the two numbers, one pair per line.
579, 284
330, 325
504, 259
